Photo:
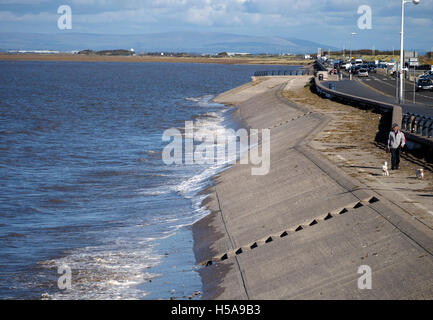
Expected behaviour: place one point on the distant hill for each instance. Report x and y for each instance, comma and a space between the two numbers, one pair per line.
191, 42
118, 52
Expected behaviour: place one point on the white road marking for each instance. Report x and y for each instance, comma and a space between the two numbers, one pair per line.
392, 85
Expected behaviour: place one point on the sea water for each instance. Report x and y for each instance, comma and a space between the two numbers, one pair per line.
83, 184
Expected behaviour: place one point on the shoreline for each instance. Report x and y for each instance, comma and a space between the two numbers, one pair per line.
266, 245
186, 254
151, 59
202, 230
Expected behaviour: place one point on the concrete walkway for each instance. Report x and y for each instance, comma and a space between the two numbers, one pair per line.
304, 230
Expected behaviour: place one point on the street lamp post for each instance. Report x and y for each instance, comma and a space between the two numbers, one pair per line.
403, 2
351, 37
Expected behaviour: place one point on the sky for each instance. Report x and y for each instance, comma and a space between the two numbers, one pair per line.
325, 21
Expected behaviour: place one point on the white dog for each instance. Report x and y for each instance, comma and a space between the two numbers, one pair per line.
420, 174
385, 171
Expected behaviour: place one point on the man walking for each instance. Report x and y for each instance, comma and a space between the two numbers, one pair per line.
396, 142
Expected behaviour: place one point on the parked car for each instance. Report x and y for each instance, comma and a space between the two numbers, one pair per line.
428, 76
424, 84
363, 72
354, 69
359, 62
372, 68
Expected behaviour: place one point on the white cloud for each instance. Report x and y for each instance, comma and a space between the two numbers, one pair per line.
327, 20
7, 16
23, 1
126, 16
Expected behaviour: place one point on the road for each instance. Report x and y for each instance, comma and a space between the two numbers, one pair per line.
382, 88
387, 85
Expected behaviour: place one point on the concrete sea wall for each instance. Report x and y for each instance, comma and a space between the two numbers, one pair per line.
304, 230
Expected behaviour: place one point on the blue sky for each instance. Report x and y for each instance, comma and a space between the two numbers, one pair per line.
324, 21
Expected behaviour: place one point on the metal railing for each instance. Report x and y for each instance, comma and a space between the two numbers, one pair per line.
418, 128
418, 124
331, 92
320, 66
283, 73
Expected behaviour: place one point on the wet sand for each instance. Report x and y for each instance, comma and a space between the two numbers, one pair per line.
149, 59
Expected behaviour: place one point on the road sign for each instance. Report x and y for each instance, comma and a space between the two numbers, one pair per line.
413, 62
